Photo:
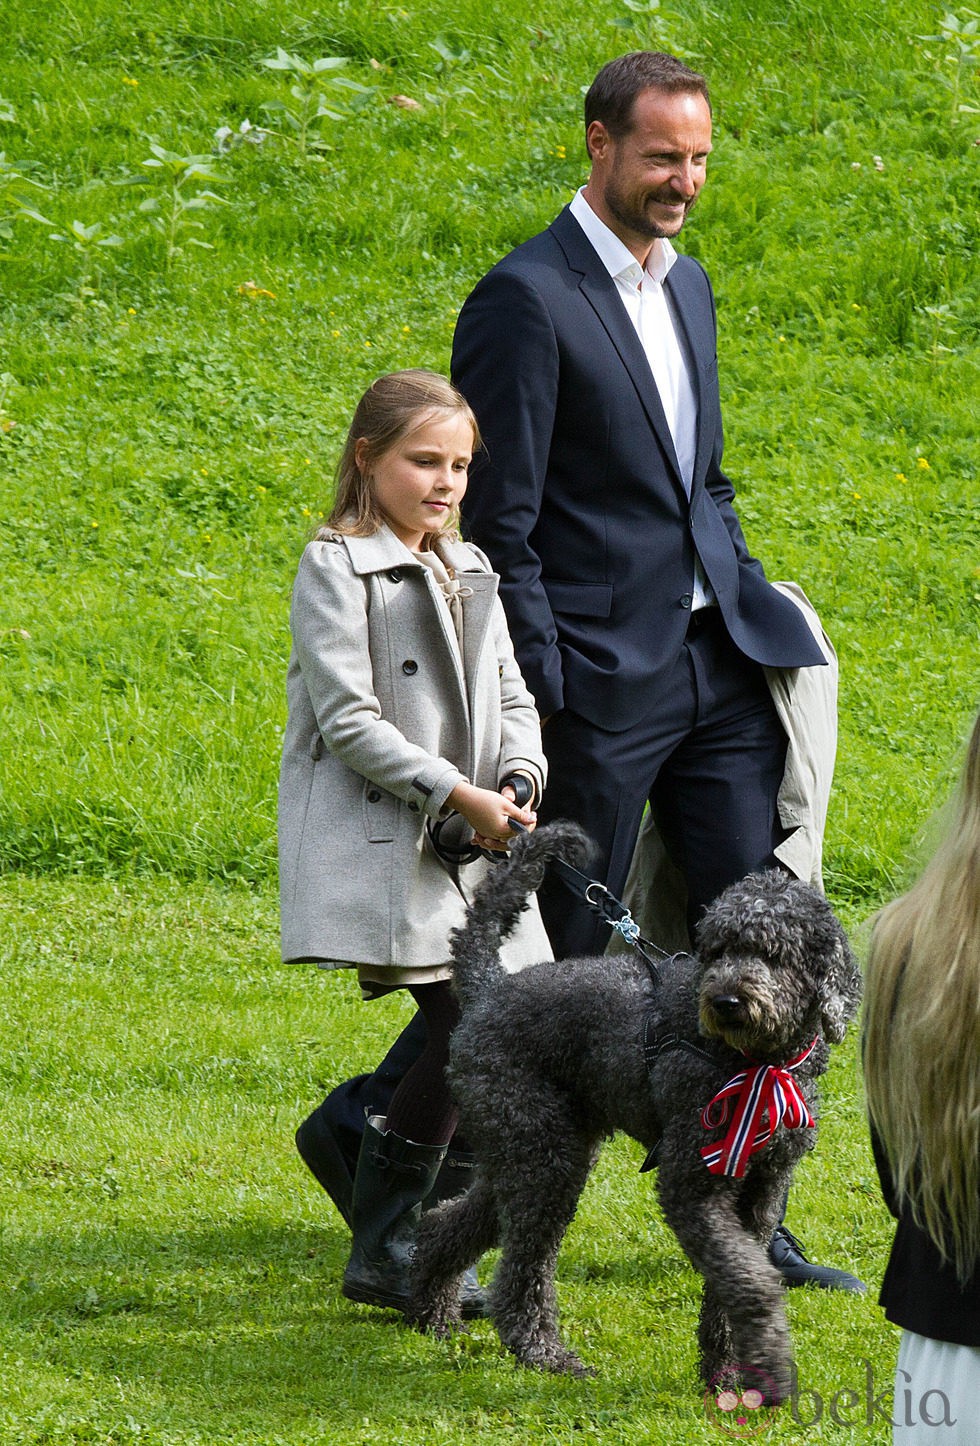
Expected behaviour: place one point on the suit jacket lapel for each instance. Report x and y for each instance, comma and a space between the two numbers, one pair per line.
600, 291
692, 311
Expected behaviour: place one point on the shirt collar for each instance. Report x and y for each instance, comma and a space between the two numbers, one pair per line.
615, 256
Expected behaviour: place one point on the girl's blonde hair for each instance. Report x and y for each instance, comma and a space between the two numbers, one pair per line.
922, 1033
391, 408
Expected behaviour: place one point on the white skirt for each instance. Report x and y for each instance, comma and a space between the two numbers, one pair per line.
937, 1393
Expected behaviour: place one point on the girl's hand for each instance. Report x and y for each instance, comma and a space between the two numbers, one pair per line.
487, 812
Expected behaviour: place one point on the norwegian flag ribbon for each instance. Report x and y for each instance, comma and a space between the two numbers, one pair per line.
756, 1101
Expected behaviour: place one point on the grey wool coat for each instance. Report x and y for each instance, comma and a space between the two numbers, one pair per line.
383, 723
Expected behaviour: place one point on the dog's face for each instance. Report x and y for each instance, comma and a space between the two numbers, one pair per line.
775, 968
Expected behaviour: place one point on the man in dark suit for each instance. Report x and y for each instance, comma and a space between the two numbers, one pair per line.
639, 618
641, 622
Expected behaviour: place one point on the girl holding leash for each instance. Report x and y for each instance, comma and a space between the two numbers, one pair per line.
922, 1071
407, 712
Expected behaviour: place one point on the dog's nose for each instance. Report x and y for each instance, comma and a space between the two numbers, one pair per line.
726, 1006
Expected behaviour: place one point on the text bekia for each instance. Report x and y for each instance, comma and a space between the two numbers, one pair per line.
848, 1406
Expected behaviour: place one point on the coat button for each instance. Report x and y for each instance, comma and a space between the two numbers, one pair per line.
373, 796
410, 666
395, 575
686, 600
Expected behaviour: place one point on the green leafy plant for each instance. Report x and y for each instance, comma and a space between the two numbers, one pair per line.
173, 210
91, 243
960, 32
313, 81
16, 195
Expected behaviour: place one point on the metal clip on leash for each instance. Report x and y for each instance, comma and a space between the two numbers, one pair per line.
615, 913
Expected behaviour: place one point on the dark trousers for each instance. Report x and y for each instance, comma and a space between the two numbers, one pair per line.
708, 757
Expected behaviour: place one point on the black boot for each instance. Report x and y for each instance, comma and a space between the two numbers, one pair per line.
393, 1177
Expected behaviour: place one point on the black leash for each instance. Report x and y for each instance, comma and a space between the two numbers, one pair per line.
613, 911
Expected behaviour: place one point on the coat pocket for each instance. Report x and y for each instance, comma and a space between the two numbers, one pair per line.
586, 599
380, 813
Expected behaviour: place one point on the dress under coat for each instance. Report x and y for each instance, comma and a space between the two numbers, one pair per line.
387, 714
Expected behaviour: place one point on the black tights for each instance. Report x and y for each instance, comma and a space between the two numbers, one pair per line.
421, 1108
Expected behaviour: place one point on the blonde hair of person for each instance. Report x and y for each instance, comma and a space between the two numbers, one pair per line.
392, 407
922, 1033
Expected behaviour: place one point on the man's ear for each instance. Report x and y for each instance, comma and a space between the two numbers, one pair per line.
597, 140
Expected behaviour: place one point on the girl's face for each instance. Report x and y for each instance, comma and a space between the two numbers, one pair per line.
419, 482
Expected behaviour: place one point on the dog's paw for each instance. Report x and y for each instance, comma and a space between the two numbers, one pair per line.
554, 1358
432, 1321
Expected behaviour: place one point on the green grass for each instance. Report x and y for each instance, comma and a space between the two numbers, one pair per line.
168, 432
171, 1272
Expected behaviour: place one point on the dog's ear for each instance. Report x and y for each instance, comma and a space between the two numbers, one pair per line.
840, 991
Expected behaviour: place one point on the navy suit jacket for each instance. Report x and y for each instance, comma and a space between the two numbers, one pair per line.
578, 499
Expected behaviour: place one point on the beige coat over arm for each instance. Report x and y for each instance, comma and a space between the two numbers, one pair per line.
383, 723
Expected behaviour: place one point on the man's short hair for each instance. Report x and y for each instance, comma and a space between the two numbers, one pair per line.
613, 92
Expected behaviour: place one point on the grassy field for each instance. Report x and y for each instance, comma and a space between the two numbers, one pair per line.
169, 419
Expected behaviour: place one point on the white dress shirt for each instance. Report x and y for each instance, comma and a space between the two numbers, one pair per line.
642, 293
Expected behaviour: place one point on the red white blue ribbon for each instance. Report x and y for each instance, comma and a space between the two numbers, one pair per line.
753, 1104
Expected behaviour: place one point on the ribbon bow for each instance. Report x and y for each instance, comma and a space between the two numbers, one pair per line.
757, 1100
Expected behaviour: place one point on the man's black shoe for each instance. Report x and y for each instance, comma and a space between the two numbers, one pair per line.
786, 1254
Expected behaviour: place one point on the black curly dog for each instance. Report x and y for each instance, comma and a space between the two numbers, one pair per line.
548, 1062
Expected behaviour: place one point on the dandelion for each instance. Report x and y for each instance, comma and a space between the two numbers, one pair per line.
782, 338
308, 461
406, 328
856, 496
335, 333
854, 306
252, 290
307, 512
95, 524
367, 343
923, 465
900, 477
131, 311
260, 488
560, 152
127, 80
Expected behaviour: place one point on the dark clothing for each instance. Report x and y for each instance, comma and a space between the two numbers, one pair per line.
578, 499
580, 505
709, 756
920, 1291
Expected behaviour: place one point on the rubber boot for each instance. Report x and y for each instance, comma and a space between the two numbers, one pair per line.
393, 1178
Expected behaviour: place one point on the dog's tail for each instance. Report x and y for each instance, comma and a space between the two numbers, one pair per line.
501, 899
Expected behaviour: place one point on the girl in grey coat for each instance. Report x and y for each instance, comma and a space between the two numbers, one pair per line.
406, 710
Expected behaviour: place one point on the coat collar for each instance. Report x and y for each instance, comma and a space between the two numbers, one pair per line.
382, 551
694, 317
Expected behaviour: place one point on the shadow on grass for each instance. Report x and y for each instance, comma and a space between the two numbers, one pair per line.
179, 1323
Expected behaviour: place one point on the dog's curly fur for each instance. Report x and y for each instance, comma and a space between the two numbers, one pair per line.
548, 1062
